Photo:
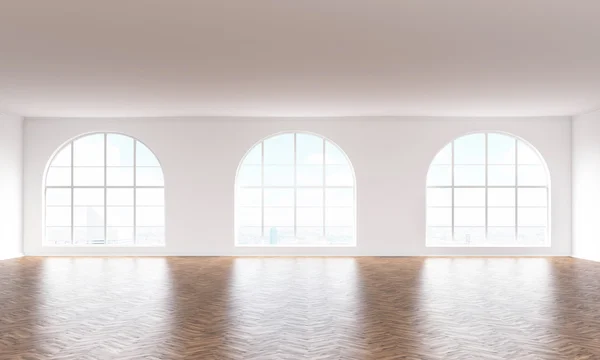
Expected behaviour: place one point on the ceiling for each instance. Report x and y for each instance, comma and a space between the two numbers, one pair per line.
299, 57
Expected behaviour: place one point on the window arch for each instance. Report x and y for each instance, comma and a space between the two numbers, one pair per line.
488, 189
104, 189
295, 189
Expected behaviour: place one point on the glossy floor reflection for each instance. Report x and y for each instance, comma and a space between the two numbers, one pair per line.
299, 308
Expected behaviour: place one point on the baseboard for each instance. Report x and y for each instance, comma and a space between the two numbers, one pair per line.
11, 256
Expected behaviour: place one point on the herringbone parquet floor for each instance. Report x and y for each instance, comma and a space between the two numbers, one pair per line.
299, 308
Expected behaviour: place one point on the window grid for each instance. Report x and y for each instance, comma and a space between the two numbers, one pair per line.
105, 187
297, 187
486, 187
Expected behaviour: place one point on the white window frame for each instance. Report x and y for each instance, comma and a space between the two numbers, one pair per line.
134, 187
295, 187
515, 243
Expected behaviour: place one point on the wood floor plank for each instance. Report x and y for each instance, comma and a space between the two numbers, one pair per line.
299, 308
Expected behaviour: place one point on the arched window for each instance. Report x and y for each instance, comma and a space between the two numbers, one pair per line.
295, 189
104, 189
488, 189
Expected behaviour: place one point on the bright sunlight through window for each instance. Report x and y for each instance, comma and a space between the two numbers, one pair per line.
295, 189
104, 189
488, 189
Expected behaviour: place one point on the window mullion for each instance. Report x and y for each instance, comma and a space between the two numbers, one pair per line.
295, 184
452, 185
105, 190
324, 190
516, 190
262, 189
72, 193
135, 192
486, 186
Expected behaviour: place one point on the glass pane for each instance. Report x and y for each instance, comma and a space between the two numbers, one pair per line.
501, 197
152, 197
119, 176
249, 175
309, 216
279, 235
311, 235
469, 197
309, 175
469, 235
339, 216
249, 235
88, 197
470, 149
340, 235
254, 156
439, 175
119, 216
469, 217
279, 149
339, 197
150, 235
119, 150
533, 236
309, 149
144, 157
249, 216
58, 216
88, 216
58, 197
339, 175
279, 175
333, 155
439, 235
501, 175
532, 175
533, 197
501, 235
279, 197
501, 149
246, 197
439, 216
89, 150
279, 216
527, 155
309, 197
58, 177
120, 236
88, 235
58, 235
120, 197
63, 157
149, 176
88, 176
532, 216
439, 197
501, 216
465, 175
444, 157
150, 216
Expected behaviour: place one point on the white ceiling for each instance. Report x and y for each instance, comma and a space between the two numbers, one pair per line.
299, 57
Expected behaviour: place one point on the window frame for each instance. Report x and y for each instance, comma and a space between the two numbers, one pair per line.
104, 187
295, 188
516, 187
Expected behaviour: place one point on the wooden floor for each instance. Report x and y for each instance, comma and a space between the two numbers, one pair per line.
299, 308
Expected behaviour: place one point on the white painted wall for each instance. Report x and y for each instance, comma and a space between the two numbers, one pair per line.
586, 186
390, 155
11, 186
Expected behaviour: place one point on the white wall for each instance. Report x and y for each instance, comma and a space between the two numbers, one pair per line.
586, 186
390, 155
11, 186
